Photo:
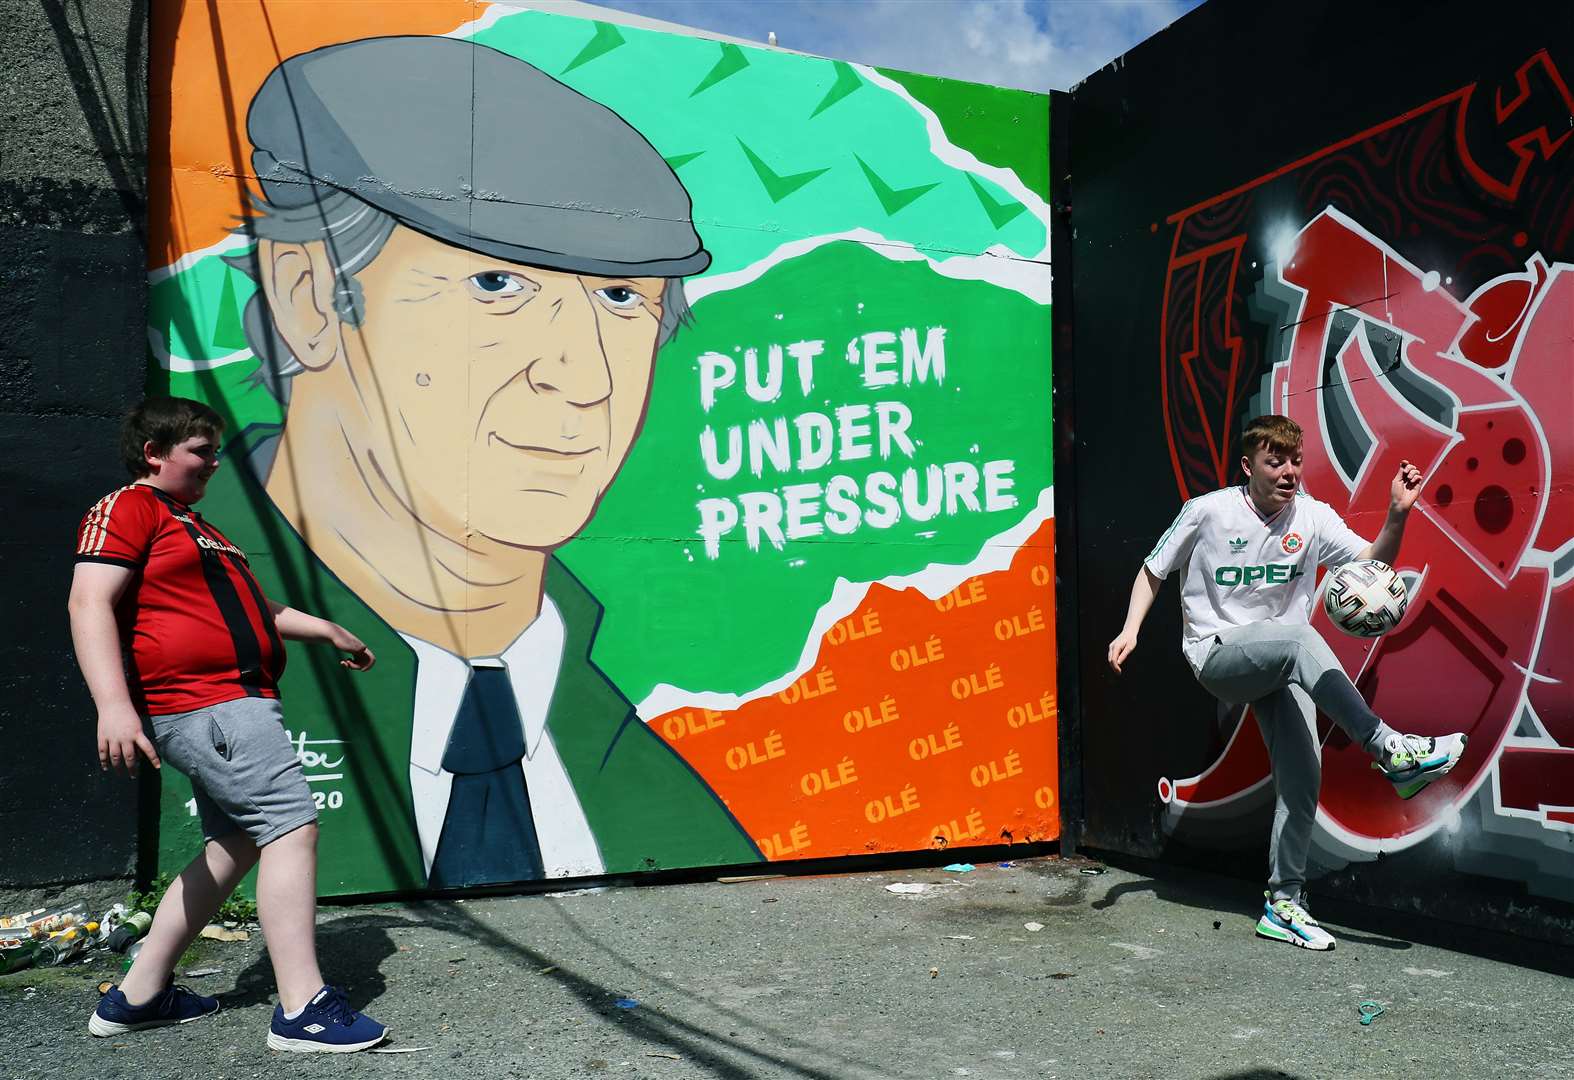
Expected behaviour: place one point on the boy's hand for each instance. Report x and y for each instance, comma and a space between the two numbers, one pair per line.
1406, 488
1121, 648
120, 739
360, 658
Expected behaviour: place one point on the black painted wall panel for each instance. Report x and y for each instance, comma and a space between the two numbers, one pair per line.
1209, 111
73, 358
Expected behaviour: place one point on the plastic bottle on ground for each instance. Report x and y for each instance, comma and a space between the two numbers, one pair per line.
131, 955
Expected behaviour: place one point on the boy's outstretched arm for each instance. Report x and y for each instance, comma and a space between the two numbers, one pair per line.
1402, 495
299, 626
95, 635
1143, 591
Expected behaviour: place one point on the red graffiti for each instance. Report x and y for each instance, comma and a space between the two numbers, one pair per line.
1202, 283
1478, 393
1538, 105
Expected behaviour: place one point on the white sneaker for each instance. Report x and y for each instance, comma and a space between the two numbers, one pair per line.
1286, 920
1411, 762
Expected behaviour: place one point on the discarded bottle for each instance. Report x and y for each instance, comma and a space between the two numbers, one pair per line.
59, 950
63, 919
23, 954
20, 920
134, 927
131, 955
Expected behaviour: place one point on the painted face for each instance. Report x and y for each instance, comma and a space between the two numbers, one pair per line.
1272, 477
185, 470
502, 398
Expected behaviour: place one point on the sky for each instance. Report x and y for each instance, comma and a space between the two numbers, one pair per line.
1029, 44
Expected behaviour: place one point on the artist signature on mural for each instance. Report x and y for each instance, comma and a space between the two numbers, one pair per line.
315, 759
318, 759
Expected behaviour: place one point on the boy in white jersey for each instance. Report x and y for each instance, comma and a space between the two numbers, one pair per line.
1248, 558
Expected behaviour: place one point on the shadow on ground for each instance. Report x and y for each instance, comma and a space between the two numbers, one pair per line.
1210, 895
657, 1028
1357, 923
350, 949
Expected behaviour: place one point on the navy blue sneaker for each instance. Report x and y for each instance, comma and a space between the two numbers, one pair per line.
176, 1005
326, 1026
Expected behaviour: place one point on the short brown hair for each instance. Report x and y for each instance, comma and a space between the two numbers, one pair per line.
166, 422
1272, 432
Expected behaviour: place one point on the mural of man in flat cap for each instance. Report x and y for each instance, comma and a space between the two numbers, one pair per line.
465, 270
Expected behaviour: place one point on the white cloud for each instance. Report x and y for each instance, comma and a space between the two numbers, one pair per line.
1031, 44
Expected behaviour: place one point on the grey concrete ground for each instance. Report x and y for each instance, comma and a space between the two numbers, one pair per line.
836, 977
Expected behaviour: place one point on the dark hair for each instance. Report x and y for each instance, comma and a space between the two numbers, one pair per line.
166, 422
1273, 432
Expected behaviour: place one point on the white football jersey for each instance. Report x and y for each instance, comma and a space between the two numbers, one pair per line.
1239, 567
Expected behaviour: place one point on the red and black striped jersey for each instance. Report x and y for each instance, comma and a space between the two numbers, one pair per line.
198, 627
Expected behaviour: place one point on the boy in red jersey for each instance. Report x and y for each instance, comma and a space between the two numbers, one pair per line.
182, 654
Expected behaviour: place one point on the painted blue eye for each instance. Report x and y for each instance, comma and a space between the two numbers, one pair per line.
619, 297
498, 283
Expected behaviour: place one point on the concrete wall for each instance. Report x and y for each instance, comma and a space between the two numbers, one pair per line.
73, 183
1361, 217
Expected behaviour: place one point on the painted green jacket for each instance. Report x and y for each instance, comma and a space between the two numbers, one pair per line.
645, 805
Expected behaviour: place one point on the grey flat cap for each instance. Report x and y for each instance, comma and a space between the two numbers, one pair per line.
478, 149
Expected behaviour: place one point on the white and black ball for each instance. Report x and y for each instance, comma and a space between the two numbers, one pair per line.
1365, 598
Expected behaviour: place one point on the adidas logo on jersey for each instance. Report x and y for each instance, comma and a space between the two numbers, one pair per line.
1237, 546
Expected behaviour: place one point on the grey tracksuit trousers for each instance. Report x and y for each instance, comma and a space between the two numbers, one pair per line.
1283, 670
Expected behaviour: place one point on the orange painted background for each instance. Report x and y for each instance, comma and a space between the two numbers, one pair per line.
923, 724
208, 59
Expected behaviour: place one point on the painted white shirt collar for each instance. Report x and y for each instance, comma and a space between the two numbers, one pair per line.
533, 662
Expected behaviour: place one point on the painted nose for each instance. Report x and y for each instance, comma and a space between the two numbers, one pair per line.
573, 362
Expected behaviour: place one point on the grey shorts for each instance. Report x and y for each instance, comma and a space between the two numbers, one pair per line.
241, 766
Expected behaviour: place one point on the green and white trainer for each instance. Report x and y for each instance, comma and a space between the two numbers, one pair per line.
1288, 921
1411, 762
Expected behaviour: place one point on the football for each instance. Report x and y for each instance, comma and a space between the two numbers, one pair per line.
1365, 598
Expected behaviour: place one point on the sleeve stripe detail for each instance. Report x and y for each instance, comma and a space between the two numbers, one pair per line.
103, 531
1167, 532
110, 559
96, 531
89, 524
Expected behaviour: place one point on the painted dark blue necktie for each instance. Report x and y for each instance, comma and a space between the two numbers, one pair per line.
489, 833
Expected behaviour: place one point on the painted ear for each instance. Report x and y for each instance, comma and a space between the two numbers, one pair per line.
297, 280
